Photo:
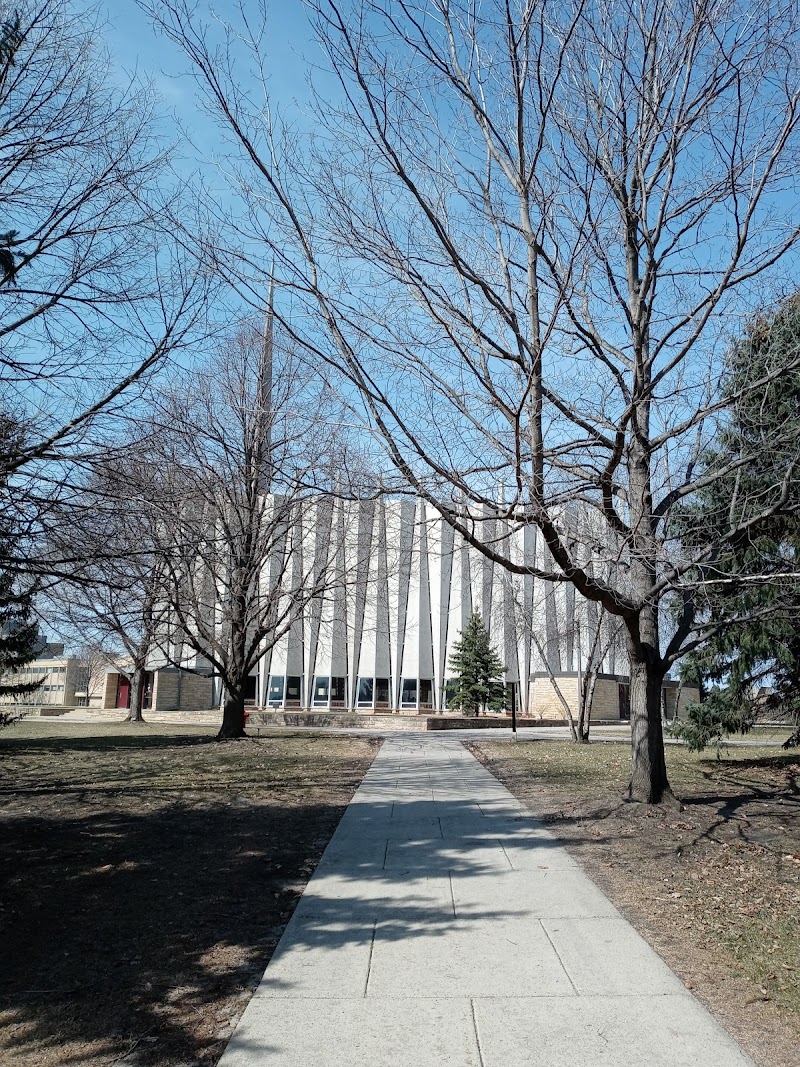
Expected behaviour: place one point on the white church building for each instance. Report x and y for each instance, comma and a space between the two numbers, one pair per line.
381, 637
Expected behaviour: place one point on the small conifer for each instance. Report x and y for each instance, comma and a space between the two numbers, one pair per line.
477, 671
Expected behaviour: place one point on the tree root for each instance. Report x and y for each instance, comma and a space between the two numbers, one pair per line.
668, 799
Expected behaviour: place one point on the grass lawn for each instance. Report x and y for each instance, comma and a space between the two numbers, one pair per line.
147, 874
715, 887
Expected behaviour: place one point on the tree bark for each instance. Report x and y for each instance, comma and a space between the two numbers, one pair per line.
587, 696
137, 689
649, 783
232, 715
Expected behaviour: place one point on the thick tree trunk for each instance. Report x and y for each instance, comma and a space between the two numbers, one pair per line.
137, 691
232, 715
649, 782
233, 708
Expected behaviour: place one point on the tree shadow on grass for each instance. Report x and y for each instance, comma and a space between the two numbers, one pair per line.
139, 922
143, 914
103, 742
119, 926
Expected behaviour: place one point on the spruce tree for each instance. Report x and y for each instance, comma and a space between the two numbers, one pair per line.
477, 671
19, 633
751, 663
19, 640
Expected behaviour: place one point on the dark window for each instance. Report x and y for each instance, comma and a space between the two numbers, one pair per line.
321, 688
294, 684
425, 693
624, 700
408, 693
276, 685
337, 689
365, 690
381, 691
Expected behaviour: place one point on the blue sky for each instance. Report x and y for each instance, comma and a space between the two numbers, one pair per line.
136, 47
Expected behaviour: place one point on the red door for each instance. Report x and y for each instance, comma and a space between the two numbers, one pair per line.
123, 692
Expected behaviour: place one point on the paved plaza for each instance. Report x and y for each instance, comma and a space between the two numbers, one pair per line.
445, 926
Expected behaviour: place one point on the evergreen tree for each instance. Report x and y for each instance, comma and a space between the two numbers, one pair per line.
477, 670
19, 639
752, 599
19, 634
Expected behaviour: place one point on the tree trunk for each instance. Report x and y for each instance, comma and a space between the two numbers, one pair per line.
588, 682
137, 690
649, 783
232, 715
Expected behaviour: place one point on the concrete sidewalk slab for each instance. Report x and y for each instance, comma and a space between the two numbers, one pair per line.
587, 1031
445, 926
298, 1033
538, 894
488, 954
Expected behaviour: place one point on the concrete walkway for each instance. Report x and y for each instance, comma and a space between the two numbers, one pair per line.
444, 926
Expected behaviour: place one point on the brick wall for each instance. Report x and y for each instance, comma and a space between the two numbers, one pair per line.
181, 690
545, 703
683, 695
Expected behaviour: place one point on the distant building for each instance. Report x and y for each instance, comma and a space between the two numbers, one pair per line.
58, 677
380, 637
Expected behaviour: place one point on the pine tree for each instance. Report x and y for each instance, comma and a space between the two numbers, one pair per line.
477, 671
19, 638
753, 594
19, 634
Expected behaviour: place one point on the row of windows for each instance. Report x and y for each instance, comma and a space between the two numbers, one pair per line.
370, 692
47, 694
42, 670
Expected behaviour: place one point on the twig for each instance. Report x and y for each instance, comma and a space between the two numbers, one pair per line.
127, 1052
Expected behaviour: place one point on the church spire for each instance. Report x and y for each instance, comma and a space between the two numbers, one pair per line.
264, 385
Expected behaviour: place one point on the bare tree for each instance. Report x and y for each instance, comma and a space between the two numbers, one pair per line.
523, 232
117, 592
95, 291
591, 632
244, 445
94, 660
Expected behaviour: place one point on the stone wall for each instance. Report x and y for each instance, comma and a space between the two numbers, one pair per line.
181, 690
680, 695
110, 690
545, 703
605, 699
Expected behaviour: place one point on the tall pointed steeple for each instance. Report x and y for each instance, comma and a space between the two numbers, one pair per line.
264, 386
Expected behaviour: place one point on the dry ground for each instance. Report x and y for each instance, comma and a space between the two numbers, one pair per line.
715, 887
147, 874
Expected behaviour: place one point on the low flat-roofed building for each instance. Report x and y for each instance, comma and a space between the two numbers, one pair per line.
58, 677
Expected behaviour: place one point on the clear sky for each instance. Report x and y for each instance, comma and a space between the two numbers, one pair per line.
136, 47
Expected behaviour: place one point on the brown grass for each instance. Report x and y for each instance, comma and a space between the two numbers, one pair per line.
147, 875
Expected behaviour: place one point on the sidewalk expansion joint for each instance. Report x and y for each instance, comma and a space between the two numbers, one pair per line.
369, 959
558, 956
475, 1028
452, 894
